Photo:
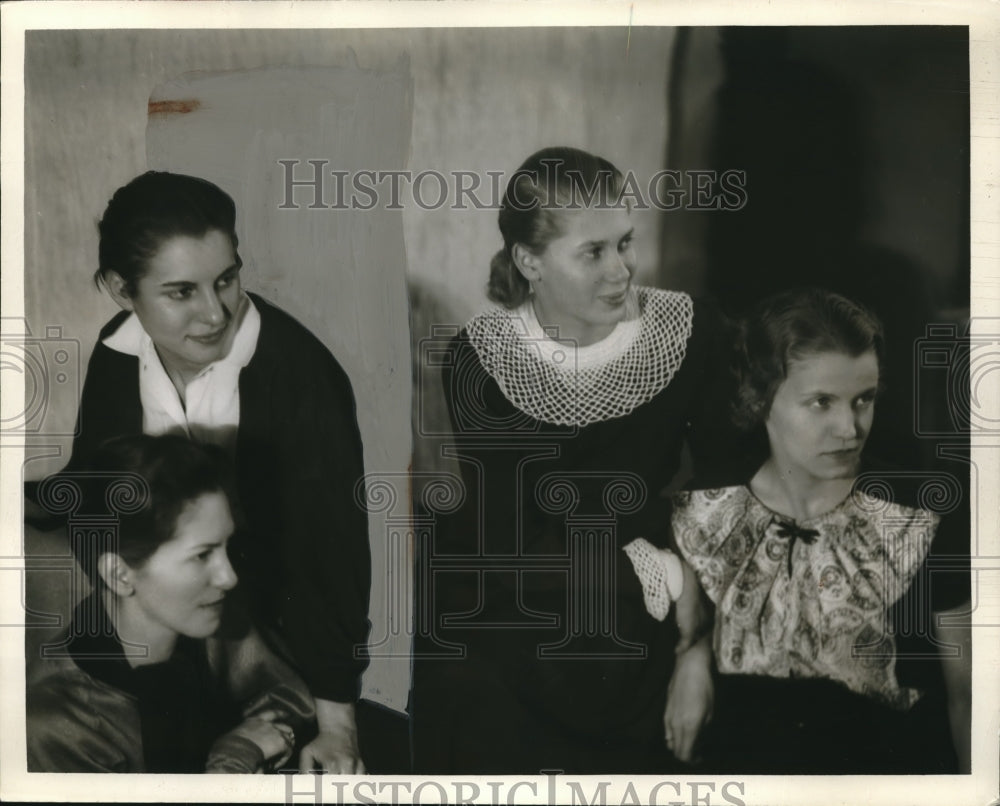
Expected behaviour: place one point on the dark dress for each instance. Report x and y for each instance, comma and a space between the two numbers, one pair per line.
301, 550
823, 634
561, 666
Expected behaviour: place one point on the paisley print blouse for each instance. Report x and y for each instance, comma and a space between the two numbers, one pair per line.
805, 599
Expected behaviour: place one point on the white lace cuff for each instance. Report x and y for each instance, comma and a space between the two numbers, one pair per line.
661, 575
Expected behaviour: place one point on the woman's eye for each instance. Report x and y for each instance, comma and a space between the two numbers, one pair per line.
821, 403
225, 281
624, 246
865, 401
204, 555
181, 293
595, 253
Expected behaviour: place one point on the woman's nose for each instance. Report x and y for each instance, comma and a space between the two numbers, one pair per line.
213, 310
224, 577
621, 267
848, 424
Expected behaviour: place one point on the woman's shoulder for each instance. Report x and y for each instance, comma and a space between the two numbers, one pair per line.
678, 318
667, 302
649, 294
286, 344
713, 531
703, 519
659, 304
698, 508
112, 325
913, 501
906, 489
105, 355
459, 339
928, 510
487, 342
75, 723
279, 324
494, 323
461, 349
57, 686
474, 395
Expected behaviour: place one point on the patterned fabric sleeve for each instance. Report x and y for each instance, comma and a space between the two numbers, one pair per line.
704, 526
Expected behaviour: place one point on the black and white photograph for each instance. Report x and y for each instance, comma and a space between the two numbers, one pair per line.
498, 403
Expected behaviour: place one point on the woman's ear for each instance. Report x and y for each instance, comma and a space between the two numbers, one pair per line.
118, 289
526, 262
116, 574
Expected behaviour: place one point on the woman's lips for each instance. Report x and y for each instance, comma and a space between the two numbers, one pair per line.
211, 338
615, 299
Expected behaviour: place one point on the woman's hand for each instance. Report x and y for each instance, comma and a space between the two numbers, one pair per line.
274, 740
690, 699
335, 749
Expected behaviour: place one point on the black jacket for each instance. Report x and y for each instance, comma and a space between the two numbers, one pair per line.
301, 551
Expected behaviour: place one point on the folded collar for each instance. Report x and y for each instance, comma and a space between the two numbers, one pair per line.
131, 339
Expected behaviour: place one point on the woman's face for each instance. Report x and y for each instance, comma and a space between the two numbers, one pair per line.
581, 280
179, 590
188, 299
821, 415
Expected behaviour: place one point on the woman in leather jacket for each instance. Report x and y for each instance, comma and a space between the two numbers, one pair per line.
155, 673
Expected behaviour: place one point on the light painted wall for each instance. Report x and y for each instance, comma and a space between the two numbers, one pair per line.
485, 99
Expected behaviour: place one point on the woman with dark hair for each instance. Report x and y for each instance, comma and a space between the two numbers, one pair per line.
192, 353
827, 633
570, 402
146, 681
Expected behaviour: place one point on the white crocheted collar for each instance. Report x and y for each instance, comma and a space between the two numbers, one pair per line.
565, 385
563, 354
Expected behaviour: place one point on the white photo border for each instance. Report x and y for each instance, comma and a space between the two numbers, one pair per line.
983, 21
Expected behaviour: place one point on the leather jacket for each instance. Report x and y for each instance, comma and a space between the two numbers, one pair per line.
88, 710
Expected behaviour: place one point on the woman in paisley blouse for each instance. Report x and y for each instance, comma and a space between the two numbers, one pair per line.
827, 640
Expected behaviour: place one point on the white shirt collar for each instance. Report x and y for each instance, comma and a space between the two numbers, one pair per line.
130, 338
211, 413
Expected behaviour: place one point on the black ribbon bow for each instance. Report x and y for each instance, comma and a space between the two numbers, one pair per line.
794, 532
